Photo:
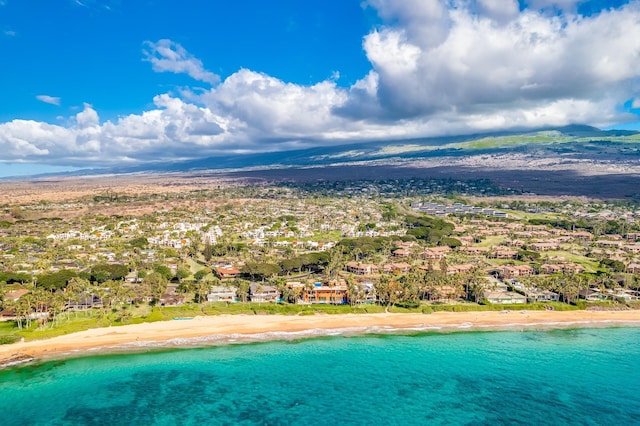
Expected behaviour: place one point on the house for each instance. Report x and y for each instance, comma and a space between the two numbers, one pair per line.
513, 271
460, 269
591, 294
623, 294
445, 293
504, 297
609, 244
505, 253
535, 295
551, 269
219, 293
474, 250
14, 295
226, 273
263, 293
366, 294
325, 294
362, 268
544, 246
582, 235
83, 302
402, 253
396, 268
132, 277
633, 268
435, 253
572, 268
172, 299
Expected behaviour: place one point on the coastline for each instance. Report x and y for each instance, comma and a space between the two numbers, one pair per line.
231, 329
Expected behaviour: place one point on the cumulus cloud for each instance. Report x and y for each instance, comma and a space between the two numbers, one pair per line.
438, 67
499, 10
168, 56
481, 65
53, 100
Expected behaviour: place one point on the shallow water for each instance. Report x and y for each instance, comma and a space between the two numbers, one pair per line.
581, 376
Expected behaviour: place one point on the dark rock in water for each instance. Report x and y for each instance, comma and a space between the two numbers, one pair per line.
16, 359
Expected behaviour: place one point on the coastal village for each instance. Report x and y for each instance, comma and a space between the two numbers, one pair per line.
286, 245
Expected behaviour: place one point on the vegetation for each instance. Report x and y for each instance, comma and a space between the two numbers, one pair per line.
80, 271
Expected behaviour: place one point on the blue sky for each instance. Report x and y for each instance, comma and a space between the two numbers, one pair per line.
91, 83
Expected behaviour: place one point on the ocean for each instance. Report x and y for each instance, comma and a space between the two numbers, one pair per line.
576, 376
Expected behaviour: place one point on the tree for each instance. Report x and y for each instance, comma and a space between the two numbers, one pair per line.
243, 289
182, 273
260, 270
200, 274
106, 271
76, 287
157, 284
356, 292
208, 250
140, 242
335, 265
164, 271
202, 288
385, 291
56, 280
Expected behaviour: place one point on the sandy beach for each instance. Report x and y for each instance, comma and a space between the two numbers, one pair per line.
238, 328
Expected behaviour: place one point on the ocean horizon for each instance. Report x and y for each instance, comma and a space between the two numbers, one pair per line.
566, 376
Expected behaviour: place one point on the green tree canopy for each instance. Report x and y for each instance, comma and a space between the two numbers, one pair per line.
56, 280
106, 271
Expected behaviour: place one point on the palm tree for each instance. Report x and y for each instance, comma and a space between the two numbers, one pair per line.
55, 308
76, 288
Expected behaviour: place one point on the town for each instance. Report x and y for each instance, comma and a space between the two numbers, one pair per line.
269, 248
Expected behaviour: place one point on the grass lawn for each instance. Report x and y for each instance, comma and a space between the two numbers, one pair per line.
492, 240
590, 265
8, 332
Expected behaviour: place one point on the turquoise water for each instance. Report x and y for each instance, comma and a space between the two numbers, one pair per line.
585, 376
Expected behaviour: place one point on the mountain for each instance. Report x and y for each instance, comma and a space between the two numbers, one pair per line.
568, 142
578, 141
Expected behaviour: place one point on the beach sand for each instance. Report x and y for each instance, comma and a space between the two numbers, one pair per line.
238, 328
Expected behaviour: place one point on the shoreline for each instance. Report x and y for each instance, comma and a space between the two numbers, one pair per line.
237, 329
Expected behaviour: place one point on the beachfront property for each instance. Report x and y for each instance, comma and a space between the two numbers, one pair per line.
534, 295
505, 297
260, 293
321, 293
219, 293
592, 295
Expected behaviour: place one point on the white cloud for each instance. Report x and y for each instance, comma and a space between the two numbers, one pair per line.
88, 117
9, 33
437, 69
168, 56
532, 61
499, 10
53, 100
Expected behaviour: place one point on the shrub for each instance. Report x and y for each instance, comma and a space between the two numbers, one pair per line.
427, 310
